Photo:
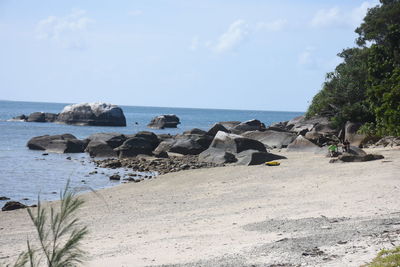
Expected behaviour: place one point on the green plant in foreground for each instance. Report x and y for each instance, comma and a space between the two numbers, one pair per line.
58, 234
386, 258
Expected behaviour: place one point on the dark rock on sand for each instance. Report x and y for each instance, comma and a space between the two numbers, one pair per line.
13, 205
164, 121
235, 143
271, 138
346, 157
217, 156
42, 142
254, 157
92, 114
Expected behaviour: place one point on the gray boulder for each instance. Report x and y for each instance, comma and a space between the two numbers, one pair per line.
235, 143
195, 131
217, 156
164, 146
250, 125
301, 144
112, 139
351, 135
133, 147
271, 138
164, 121
67, 146
254, 157
192, 144
100, 149
229, 124
301, 125
152, 138
92, 114
216, 128
36, 117
43, 142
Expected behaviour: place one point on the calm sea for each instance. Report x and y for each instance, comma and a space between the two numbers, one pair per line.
26, 173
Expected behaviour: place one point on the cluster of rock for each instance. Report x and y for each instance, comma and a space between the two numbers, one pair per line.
159, 165
91, 114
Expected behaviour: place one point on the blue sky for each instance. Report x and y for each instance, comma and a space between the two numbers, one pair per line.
248, 54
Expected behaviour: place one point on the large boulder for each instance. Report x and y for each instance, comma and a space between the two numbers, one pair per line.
36, 117
217, 156
301, 144
67, 146
301, 125
229, 124
43, 142
216, 128
190, 144
271, 138
152, 138
164, 146
100, 149
164, 121
235, 143
254, 157
250, 125
112, 139
92, 114
195, 131
351, 134
135, 146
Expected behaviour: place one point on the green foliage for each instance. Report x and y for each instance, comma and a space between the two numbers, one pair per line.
59, 235
366, 86
386, 258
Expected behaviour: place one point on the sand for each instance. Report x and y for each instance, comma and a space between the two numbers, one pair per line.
305, 212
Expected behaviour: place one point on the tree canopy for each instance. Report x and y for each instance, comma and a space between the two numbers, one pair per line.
365, 87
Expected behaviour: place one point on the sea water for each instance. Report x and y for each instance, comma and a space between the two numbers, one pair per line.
24, 173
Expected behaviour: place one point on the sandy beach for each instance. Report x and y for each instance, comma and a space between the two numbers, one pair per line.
305, 212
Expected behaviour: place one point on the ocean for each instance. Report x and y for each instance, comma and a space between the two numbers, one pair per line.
25, 174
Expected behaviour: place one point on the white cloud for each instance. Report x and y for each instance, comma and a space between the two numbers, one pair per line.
336, 17
306, 57
325, 17
273, 26
68, 30
235, 34
195, 43
135, 13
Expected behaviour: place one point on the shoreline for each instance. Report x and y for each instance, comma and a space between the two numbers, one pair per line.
239, 215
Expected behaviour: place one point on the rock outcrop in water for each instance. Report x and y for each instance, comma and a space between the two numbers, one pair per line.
92, 114
164, 121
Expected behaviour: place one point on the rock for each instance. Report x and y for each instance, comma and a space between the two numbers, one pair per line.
115, 177
388, 141
42, 142
229, 124
235, 143
217, 156
164, 121
100, 149
254, 157
251, 125
271, 138
353, 150
186, 147
133, 147
112, 139
278, 126
301, 144
301, 125
36, 117
355, 158
351, 134
19, 118
4, 198
67, 146
92, 114
195, 131
163, 137
216, 128
161, 154
13, 205
164, 146
150, 137
50, 117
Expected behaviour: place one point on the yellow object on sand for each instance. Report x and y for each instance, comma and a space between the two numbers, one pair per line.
272, 163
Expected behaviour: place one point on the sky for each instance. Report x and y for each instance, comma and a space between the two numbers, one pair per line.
228, 54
